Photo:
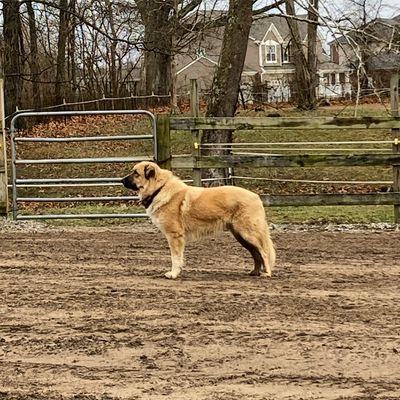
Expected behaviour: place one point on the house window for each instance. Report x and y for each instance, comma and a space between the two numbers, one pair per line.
201, 52
270, 52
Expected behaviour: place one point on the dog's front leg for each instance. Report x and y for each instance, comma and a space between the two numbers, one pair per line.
177, 246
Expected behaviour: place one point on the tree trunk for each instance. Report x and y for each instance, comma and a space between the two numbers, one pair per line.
304, 91
157, 45
33, 58
226, 83
61, 54
312, 51
113, 52
72, 52
13, 53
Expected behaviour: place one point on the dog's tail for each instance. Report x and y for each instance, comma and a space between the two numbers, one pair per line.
271, 252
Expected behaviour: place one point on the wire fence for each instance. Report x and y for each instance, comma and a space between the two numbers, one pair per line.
155, 100
104, 103
273, 148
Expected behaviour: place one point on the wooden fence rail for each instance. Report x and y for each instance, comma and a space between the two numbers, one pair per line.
196, 161
268, 123
331, 199
287, 160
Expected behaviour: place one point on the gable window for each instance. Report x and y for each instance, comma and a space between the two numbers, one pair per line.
270, 53
201, 52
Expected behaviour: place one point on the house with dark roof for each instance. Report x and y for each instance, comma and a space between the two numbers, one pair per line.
377, 44
268, 62
200, 60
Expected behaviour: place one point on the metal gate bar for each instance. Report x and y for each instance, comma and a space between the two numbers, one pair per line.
84, 138
75, 199
67, 182
75, 182
79, 216
104, 160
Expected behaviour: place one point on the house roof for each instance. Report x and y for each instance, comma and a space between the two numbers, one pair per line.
330, 66
212, 46
380, 27
261, 26
385, 61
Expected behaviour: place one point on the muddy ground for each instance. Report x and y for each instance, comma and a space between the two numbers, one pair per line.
86, 313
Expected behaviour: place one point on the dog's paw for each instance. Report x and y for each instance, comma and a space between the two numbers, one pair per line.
171, 274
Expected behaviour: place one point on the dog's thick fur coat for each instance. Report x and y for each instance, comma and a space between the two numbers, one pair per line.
185, 212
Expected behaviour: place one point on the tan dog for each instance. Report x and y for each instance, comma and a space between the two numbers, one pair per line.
184, 212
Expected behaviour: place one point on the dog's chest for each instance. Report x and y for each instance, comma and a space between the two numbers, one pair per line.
154, 219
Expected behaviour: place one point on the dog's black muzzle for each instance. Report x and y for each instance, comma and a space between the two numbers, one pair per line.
128, 183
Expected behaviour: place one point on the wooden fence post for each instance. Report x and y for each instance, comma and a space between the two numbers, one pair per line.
394, 101
3, 156
196, 134
163, 142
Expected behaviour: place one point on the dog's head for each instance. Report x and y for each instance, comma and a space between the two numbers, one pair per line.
144, 178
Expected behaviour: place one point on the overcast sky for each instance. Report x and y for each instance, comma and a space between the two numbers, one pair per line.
386, 8
333, 8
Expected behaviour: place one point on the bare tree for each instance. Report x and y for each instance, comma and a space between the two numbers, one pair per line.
169, 27
306, 69
13, 52
226, 84
71, 52
34, 57
157, 44
364, 37
312, 59
61, 54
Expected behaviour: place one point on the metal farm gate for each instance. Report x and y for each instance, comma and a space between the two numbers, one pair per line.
74, 182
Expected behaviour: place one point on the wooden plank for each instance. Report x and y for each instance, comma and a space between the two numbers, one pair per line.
194, 99
331, 199
3, 156
289, 160
394, 101
196, 153
296, 160
250, 123
163, 142
196, 134
182, 162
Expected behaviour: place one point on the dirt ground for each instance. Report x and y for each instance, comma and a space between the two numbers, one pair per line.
86, 313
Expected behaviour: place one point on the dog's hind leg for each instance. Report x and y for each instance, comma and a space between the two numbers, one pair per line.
254, 251
176, 243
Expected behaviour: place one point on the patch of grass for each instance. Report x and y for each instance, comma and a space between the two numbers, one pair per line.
330, 214
276, 215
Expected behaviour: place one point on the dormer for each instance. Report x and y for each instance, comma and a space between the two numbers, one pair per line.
270, 48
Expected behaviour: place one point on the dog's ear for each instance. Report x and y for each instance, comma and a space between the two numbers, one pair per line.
149, 172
